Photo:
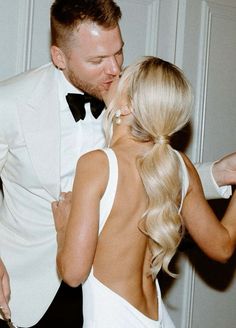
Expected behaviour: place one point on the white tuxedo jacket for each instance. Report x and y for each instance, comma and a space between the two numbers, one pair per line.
30, 171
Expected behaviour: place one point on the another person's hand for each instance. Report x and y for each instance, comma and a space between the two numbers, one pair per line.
4, 292
61, 211
224, 170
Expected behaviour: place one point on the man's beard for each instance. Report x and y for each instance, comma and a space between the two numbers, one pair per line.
84, 86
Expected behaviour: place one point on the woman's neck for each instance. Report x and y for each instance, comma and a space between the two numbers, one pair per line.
122, 137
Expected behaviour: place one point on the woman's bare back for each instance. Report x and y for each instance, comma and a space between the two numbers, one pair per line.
122, 259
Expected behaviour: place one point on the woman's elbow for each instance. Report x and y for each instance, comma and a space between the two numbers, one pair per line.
70, 280
225, 253
70, 275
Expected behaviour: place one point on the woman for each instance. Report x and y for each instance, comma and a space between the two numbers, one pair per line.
132, 201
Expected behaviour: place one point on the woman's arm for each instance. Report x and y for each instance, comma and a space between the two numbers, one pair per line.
77, 238
216, 238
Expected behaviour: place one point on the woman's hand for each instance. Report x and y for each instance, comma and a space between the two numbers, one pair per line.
61, 211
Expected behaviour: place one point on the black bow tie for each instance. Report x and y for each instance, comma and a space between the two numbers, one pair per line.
77, 101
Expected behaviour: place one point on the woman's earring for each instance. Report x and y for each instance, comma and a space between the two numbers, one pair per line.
117, 117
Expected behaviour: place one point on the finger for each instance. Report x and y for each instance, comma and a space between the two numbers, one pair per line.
54, 206
62, 196
5, 311
68, 196
4, 308
6, 287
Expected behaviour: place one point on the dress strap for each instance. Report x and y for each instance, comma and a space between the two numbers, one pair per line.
110, 192
185, 178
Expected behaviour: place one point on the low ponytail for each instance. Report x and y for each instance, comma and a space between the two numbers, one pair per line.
162, 222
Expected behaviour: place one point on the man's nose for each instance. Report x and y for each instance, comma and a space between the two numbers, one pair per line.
113, 67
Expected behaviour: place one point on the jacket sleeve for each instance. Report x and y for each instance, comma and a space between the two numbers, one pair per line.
210, 187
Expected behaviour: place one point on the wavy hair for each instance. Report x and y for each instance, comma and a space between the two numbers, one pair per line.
160, 99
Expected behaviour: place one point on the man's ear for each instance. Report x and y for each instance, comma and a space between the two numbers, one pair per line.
58, 57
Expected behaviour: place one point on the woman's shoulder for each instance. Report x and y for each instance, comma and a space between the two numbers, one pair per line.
93, 161
92, 170
194, 180
187, 161
94, 157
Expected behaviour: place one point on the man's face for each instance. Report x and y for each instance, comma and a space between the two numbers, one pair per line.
93, 57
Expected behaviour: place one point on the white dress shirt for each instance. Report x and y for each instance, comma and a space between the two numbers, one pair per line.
77, 138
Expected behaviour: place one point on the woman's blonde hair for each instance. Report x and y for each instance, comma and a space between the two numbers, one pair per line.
160, 99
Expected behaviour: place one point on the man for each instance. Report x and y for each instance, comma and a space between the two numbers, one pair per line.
40, 142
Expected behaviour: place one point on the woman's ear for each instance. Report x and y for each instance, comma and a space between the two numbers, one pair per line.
58, 57
125, 110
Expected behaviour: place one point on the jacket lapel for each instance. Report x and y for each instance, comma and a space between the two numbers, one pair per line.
41, 125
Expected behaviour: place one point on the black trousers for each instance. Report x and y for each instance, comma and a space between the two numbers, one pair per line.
65, 310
